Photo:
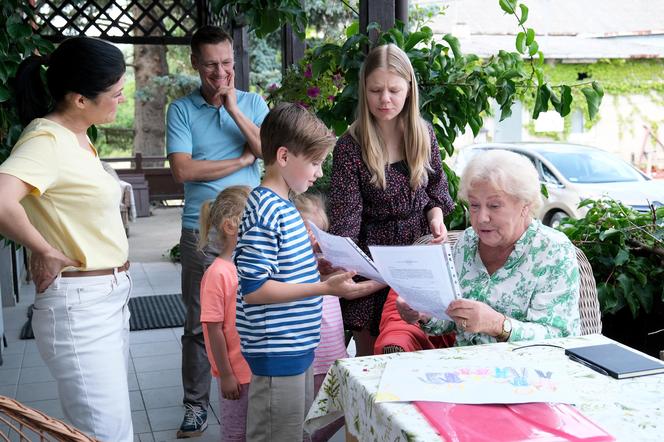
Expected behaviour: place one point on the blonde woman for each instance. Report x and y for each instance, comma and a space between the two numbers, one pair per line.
387, 184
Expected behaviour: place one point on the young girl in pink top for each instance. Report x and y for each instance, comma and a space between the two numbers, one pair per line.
332, 344
218, 292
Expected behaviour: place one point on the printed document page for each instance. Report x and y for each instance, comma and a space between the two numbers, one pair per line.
343, 252
420, 275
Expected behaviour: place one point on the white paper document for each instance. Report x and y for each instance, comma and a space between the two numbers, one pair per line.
472, 382
423, 275
343, 252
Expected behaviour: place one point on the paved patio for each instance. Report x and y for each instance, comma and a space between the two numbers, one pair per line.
155, 355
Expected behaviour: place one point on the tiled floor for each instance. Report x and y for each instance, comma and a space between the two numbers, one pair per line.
154, 372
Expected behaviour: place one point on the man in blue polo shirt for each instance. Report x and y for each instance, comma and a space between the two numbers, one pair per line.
213, 141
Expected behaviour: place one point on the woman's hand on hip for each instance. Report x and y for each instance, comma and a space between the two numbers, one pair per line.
45, 267
475, 317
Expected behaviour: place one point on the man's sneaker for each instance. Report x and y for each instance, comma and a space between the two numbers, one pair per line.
194, 422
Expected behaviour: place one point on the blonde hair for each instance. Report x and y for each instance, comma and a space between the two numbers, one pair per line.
507, 171
229, 205
292, 126
415, 134
312, 204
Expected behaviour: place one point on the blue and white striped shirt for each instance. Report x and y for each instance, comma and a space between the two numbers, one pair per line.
277, 339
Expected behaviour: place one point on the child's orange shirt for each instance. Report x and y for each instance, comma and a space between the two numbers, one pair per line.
218, 297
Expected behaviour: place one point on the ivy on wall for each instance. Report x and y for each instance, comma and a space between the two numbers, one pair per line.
618, 77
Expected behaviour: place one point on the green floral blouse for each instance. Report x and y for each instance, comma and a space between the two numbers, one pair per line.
537, 288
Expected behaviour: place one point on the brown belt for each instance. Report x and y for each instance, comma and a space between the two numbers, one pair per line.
101, 272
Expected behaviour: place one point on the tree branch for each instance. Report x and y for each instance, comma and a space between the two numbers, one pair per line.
345, 2
638, 245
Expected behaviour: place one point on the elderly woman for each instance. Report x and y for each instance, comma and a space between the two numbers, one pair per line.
519, 278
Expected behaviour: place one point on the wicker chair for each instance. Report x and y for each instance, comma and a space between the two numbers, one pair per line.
591, 317
18, 422
589, 311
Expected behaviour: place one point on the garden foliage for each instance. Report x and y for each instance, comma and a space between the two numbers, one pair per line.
264, 16
626, 251
456, 89
17, 41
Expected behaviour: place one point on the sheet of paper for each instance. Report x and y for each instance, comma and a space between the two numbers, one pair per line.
419, 274
470, 382
342, 252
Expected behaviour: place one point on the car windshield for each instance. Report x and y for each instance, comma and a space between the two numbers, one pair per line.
592, 167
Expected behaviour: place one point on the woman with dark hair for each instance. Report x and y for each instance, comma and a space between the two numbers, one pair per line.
57, 200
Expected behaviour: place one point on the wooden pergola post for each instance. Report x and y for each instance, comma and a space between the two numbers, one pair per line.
383, 12
292, 48
241, 51
401, 12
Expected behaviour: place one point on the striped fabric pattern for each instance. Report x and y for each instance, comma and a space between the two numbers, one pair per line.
332, 342
277, 339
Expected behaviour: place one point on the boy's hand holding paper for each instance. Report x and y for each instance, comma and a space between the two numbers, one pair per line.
344, 253
341, 284
424, 276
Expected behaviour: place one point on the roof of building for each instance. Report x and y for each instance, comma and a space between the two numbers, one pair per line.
565, 29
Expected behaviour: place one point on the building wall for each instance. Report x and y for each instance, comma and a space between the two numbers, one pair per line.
620, 129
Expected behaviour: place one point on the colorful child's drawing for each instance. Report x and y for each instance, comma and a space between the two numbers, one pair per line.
464, 382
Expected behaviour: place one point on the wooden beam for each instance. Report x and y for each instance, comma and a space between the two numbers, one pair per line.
401, 12
292, 48
379, 11
241, 49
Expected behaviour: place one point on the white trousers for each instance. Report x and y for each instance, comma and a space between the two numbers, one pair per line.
81, 326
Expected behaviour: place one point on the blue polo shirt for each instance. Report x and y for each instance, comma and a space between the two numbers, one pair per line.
207, 133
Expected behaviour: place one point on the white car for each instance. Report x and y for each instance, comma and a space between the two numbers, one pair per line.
572, 173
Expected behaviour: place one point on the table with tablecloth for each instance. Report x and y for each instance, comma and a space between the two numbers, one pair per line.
629, 409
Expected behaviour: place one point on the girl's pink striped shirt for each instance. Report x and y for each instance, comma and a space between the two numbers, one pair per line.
331, 345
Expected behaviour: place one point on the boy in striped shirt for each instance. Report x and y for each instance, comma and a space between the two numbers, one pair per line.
279, 296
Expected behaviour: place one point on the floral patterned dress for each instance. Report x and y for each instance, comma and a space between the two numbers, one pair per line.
396, 215
538, 287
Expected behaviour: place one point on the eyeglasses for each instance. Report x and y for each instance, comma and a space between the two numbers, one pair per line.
213, 67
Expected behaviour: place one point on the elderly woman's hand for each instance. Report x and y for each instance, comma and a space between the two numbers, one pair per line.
476, 317
408, 314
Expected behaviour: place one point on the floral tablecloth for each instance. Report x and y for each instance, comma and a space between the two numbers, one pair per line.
629, 409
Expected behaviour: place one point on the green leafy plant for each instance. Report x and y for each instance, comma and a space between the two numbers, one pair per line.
302, 87
559, 96
17, 41
263, 16
626, 251
456, 89
619, 78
